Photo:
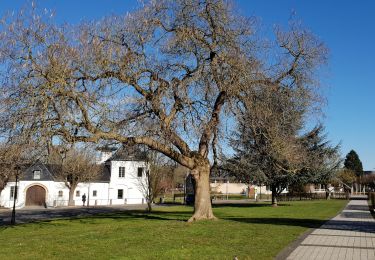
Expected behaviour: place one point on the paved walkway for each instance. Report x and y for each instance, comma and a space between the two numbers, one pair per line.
349, 235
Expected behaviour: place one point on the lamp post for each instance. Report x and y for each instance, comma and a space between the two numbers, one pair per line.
15, 195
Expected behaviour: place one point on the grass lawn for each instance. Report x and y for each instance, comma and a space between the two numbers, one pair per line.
255, 231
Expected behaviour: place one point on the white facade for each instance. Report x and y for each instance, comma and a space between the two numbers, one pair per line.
131, 184
118, 189
226, 187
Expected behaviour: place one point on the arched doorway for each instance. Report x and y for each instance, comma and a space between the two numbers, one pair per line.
35, 196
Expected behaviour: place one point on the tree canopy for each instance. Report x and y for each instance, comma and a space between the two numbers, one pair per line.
163, 76
352, 162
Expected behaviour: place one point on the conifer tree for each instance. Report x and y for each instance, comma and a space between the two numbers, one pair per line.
352, 162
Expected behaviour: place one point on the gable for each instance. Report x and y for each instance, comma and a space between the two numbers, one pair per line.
28, 174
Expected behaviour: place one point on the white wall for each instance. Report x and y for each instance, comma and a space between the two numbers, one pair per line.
88, 189
131, 184
238, 188
50, 187
230, 188
106, 192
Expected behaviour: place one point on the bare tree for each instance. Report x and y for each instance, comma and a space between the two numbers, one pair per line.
345, 178
74, 165
369, 180
163, 76
10, 157
160, 77
14, 157
159, 177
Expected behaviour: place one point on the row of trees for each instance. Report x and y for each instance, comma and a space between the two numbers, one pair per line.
167, 76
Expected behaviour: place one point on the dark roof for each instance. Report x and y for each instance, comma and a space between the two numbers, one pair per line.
45, 174
106, 148
105, 174
50, 172
126, 153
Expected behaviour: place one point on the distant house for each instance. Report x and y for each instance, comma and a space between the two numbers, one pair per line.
223, 186
317, 188
124, 172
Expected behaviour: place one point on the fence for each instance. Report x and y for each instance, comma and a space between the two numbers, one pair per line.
340, 195
100, 202
312, 196
301, 196
179, 197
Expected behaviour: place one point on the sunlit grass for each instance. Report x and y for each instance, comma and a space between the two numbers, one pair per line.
255, 231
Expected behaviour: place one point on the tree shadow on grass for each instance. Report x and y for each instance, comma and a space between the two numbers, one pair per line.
92, 216
182, 216
247, 205
307, 223
344, 225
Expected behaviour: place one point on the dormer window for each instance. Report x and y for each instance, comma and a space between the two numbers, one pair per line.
36, 175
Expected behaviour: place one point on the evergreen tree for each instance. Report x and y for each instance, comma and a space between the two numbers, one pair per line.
352, 162
266, 144
323, 159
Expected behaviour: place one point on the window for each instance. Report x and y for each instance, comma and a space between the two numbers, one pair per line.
120, 194
121, 172
12, 195
78, 193
36, 175
94, 193
140, 172
60, 193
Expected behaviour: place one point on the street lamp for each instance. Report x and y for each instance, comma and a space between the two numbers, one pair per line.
15, 195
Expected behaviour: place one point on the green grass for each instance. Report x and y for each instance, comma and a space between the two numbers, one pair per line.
255, 231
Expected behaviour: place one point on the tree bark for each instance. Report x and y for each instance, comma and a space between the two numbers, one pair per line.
149, 206
71, 195
274, 196
202, 204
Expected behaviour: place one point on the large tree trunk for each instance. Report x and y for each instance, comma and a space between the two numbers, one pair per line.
274, 196
71, 195
202, 204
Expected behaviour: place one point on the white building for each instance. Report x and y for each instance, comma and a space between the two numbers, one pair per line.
122, 181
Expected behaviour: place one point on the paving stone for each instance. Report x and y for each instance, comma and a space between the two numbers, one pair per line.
349, 235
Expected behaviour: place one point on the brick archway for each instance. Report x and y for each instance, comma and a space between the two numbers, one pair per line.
35, 196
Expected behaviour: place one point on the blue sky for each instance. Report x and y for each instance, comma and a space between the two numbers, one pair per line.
346, 26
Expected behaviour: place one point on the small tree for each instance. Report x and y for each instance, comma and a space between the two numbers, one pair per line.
346, 178
159, 178
74, 166
369, 180
9, 156
14, 155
